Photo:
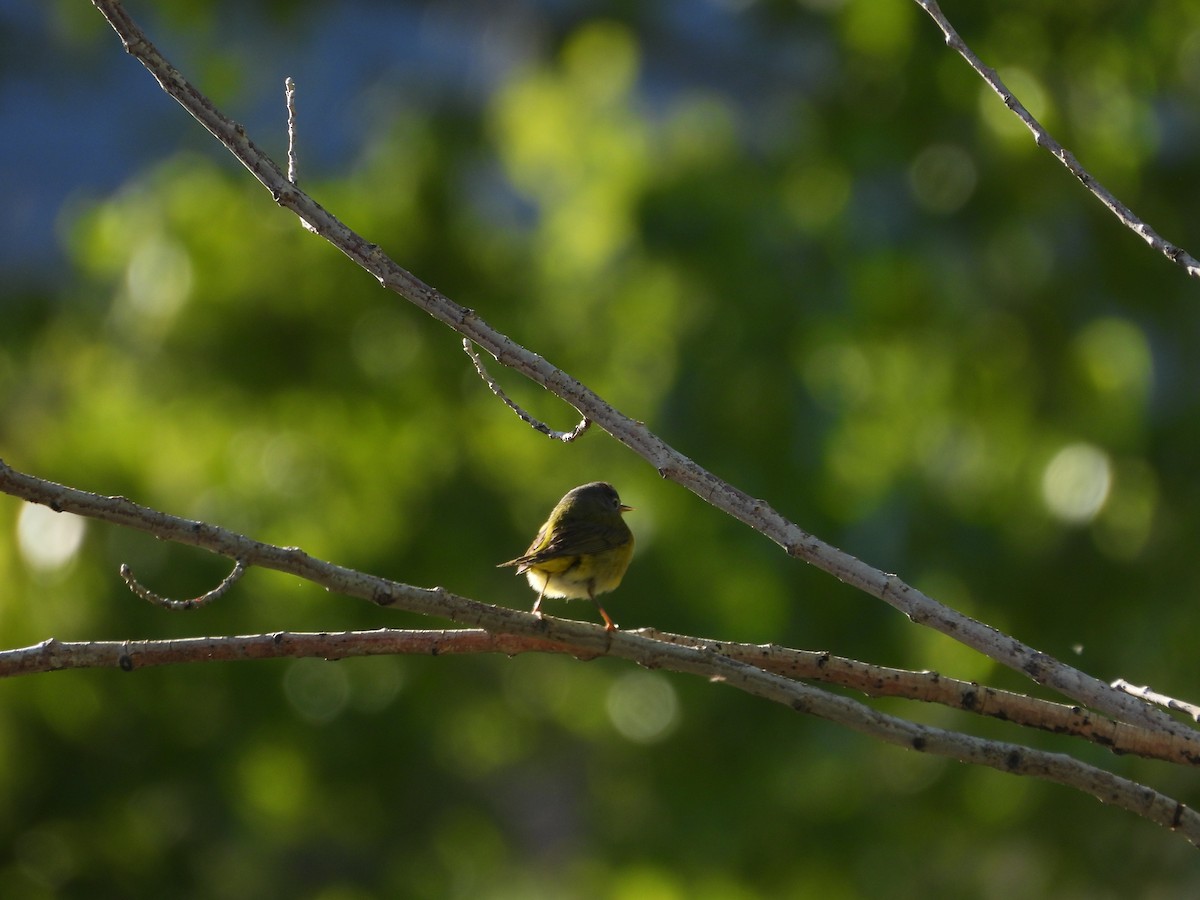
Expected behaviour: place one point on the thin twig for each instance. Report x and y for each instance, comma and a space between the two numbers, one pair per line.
565, 436
1043, 139
293, 172
289, 99
669, 462
179, 605
1144, 691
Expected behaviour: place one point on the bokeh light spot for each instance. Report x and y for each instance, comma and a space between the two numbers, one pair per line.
643, 707
158, 281
317, 689
48, 540
942, 178
1116, 357
1076, 482
817, 194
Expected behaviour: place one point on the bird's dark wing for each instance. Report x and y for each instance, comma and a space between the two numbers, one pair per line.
525, 558
574, 540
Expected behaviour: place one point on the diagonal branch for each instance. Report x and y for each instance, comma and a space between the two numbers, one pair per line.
1043, 139
932, 687
669, 462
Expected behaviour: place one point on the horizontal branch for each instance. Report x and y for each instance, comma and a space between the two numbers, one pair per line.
875, 681
1015, 759
670, 463
53, 655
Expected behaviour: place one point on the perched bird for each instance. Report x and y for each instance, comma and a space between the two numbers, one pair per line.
582, 550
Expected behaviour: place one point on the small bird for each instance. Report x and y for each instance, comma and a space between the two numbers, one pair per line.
582, 550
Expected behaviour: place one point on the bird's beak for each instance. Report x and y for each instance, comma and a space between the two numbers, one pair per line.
626, 509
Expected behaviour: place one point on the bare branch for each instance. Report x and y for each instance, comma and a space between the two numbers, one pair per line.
565, 436
875, 681
53, 655
1043, 139
1144, 691
1012, 758
192, 603
968, 696
669, 463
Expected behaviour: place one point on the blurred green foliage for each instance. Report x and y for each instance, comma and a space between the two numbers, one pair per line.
855, 289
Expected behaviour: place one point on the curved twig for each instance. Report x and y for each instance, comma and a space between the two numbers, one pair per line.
180, 605
565, 436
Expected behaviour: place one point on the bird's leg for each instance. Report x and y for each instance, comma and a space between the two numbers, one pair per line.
609, 624
537, 604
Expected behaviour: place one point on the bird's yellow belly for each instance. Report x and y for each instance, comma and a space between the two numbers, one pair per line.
580, 577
